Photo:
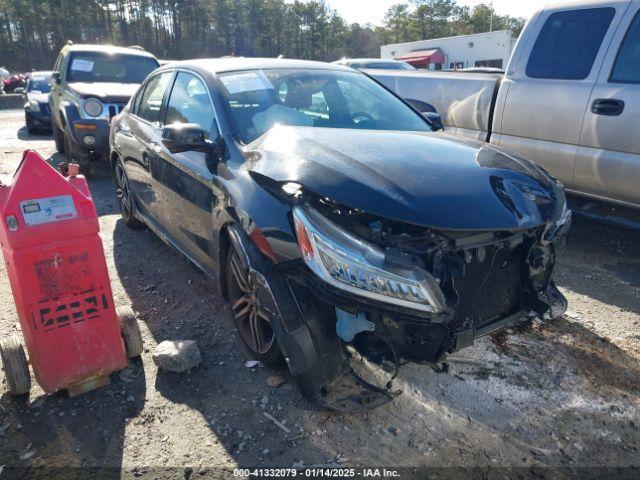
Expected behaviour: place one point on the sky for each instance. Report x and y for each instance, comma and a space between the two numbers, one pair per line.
373, 11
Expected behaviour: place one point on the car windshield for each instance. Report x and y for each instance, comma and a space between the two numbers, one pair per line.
111, 68
388, 66
39, 84
260, 99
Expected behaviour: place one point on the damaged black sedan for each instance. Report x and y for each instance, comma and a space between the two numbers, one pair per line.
331, 213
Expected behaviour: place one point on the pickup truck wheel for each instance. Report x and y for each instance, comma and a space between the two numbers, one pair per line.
130, 332
251, 317
16, 368
126, 201
75, 153
58, 137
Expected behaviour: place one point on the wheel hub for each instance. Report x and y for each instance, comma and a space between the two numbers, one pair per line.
252, 318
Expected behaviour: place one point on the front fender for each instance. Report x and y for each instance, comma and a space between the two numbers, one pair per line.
309, 343
69, 112
264, 217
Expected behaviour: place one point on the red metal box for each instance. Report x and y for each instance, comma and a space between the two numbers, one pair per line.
59, 278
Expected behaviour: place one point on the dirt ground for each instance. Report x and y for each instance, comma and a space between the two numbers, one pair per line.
537, 401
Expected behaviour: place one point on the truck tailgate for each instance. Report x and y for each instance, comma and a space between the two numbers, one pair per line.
463, 99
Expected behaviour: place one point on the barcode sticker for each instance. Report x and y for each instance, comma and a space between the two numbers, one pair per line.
246, 82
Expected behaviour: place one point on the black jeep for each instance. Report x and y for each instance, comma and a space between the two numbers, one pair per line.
92, 84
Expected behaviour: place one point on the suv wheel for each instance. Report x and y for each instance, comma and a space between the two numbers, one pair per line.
126, 202
29, 124
58, 137
75, 153
252, 318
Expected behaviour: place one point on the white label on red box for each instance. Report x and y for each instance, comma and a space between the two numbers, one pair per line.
47, 210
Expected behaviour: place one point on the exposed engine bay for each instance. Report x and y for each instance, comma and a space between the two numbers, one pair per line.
482, 281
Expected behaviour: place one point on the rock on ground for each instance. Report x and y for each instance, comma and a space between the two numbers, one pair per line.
177, 356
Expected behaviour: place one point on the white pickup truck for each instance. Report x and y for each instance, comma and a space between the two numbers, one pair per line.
569, 100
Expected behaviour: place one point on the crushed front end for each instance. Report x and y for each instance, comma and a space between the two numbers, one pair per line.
420, 293
416, 244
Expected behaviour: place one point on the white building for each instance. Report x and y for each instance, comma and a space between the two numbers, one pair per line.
491, 49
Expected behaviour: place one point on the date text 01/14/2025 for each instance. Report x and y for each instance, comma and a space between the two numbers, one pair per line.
318, 472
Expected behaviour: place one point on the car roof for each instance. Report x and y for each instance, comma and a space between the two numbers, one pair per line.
108, 49
346, 61
41, 73
230, 64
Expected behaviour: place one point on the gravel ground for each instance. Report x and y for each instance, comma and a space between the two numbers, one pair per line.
560, 394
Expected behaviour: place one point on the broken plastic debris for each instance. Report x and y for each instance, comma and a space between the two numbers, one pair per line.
349, 325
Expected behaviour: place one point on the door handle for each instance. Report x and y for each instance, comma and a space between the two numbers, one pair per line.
607, 106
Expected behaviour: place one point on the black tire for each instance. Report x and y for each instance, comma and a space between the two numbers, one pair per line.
252, 320
16, 368
75, 153
29, 125
125, 198
130, 332
58, 137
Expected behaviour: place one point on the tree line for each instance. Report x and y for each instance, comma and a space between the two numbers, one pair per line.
33, 31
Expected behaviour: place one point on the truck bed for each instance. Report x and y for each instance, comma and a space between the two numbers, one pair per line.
465, 100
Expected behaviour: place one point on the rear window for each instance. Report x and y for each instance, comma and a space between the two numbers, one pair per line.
568, 44
388, 66
627, 66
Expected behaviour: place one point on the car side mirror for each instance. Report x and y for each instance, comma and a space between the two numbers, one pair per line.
435, 119
57, 79
19, 90
184, 137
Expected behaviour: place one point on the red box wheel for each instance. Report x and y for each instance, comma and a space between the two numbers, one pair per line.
15, 366
130, 331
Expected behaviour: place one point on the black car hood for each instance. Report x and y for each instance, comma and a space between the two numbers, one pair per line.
105, 91
427, 179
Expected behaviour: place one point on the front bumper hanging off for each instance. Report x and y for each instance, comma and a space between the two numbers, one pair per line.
422, 337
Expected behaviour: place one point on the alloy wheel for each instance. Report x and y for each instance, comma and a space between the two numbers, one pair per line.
252, 317
123, 193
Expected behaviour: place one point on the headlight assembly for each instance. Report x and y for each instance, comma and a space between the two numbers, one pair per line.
353, 265
560, 227
33, 106
92, 107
